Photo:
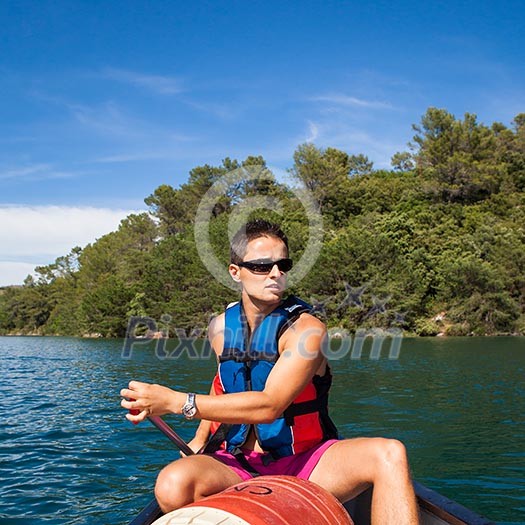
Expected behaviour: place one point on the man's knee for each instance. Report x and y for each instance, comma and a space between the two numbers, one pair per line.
391, 454
175, 487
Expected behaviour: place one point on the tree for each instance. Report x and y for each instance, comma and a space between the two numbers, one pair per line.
325, 173
516, 153
105, 307
456, 157
402, 161
176, 208
359, 165
166, 205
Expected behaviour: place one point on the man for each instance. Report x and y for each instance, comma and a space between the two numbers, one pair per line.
271, 391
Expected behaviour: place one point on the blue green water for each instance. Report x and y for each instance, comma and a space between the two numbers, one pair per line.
67, 455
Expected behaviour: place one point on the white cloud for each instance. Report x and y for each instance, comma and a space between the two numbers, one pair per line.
15, 272
348, 101
108, 120
313, 132
222, 111
133, 157
23, 172
353, 139
161, 84
32, 236
35, 172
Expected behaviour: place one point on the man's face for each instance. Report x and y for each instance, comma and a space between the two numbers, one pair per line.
262, 287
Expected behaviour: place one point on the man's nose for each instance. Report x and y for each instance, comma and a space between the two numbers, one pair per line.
275, 272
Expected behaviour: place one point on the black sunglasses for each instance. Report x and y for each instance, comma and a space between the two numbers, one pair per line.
263, 266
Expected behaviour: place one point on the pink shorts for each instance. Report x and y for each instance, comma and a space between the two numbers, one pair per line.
299, 465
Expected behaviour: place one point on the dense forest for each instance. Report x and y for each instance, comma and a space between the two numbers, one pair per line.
436, 245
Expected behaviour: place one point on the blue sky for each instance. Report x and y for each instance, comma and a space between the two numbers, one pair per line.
102, 101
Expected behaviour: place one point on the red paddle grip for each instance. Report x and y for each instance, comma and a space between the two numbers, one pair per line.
134, 412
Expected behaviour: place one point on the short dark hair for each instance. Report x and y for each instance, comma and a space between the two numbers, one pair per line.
250, 231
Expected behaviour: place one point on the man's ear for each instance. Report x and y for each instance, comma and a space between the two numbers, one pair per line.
235, 272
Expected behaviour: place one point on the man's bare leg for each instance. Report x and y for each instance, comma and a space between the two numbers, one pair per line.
190, 479
350, 466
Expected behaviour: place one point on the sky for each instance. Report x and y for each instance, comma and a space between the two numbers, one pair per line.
103, 101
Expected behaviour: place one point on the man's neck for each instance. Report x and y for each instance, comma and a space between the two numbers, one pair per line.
255, 311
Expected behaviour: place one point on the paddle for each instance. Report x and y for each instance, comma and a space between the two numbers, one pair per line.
171, 435
152, 511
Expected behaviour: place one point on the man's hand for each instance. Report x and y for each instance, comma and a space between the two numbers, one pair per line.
150, 400
195, 444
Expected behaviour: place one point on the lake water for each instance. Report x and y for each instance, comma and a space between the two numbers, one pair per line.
68, 455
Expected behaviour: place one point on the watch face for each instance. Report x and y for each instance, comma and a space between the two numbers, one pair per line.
189, 410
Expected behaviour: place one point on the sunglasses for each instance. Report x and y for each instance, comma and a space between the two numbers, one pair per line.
264, 266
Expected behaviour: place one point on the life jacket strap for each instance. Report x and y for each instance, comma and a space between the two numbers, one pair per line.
304, 407
241, 458
219, 437
233, 354
268, 458
216, 440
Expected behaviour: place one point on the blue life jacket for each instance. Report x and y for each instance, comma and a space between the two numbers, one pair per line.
244, 365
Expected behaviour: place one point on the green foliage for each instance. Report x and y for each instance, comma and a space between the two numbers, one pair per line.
437, 245
457, 158
359, 165
105, 306
402, 161
427, 327
325, 173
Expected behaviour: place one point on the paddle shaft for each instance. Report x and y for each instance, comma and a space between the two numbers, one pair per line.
171, 434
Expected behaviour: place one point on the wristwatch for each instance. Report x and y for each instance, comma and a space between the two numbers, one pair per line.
189, 409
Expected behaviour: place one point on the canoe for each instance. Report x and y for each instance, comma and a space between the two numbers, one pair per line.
434, 509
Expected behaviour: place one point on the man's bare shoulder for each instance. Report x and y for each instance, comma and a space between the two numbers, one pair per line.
305, 326
216, 326
305, 337
308, 321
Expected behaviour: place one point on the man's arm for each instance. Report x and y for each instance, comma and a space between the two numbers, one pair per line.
301, 356
203, 431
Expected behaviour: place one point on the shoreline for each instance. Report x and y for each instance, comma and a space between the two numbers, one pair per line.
408, 335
